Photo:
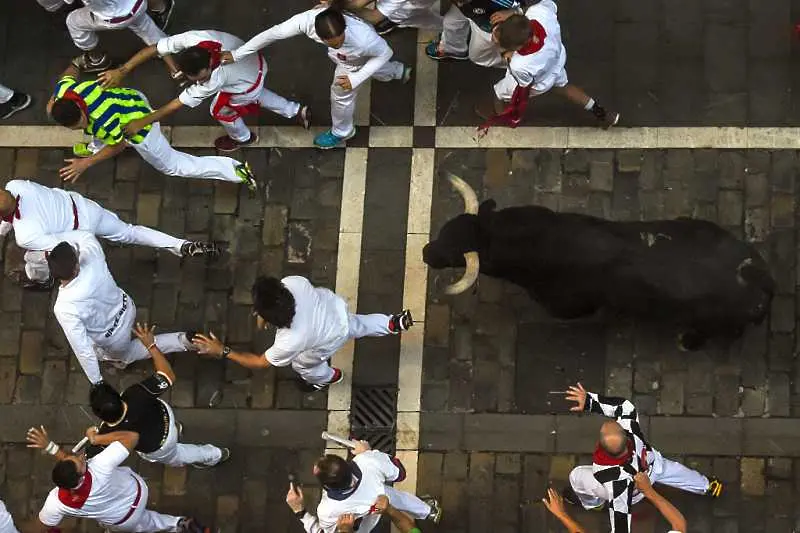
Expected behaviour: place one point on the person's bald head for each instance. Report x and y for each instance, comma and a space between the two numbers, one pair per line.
613, 438
7, 203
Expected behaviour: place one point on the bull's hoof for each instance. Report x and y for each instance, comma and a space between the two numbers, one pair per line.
690, 341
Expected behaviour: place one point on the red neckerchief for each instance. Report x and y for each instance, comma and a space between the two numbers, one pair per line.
77, 497
14, 214
214, 49
511, 116
75, 97
601, 457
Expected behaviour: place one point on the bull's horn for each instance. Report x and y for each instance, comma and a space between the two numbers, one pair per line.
743, 265
470, 274
466, 192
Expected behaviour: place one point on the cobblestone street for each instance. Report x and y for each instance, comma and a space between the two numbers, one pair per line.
708, 131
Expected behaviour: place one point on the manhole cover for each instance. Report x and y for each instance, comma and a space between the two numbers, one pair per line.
373, 416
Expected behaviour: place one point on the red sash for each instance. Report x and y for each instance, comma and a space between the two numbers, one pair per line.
77, 497
511, 116
223, 101
14, 214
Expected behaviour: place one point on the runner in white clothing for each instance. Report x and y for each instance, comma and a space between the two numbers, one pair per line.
238, 88
351, 487
358, 52
101, 489
536, 60
313, 323
38, 214
96, 315
100, 15
390, 14
6, 522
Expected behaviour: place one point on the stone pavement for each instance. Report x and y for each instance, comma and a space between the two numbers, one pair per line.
490, 437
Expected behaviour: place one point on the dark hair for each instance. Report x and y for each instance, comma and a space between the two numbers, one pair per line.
330, 23
62, 261
66, 475
66, 112
192, 60
106, 402
273, 301
513, 32
334, 472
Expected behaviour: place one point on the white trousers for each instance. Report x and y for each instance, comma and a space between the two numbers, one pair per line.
238, 130
83, 26
92, 217
343, 103
458, 31
156, 150
175, 454
5, 94
313, 365
51, 5
504, 88
592, 494
412, 13
121, 347
144, 520
6, 522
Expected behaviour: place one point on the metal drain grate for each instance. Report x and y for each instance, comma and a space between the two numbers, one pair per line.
373, 417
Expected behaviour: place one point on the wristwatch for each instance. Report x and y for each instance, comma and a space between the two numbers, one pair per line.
301, 513
226, 351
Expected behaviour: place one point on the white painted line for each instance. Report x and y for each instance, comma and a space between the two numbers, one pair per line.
455, 137
425, 82
348, 264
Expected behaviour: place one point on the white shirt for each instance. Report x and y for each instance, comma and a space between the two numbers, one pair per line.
109, 9
91, 305
362, 53
377, 470
44, 212
320, 321
112, 492
233, 78
549, 61
6, 522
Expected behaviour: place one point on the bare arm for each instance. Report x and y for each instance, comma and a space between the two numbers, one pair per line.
161, 364
668, 511
129, 439
113, 77
555, 504
157, 116
211, 345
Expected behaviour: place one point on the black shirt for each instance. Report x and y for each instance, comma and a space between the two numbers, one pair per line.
146, 415
480, 11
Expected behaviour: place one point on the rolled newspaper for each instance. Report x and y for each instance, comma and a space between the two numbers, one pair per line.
347, 443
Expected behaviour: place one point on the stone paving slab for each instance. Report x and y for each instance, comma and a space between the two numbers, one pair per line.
659, 62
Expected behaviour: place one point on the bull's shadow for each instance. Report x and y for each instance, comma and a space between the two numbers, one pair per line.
687, 273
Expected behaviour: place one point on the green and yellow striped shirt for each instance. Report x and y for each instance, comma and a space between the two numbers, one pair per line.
109, 109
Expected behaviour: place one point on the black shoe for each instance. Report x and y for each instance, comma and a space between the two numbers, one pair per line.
188, 524
18, 102
569, 496
385, 26
435, 515
400, 322
226, 454
162, 19
304, 116
338, 376
715, 488
43, 286
89, 65
196, 248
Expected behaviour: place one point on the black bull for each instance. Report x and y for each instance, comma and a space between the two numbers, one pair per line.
687, 272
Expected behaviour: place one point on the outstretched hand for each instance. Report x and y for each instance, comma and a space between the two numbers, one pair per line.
37, 438
145, 333
208, 345
577, 394
226, 58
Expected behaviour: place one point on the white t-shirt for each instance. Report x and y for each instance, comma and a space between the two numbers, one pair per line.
319, 324
112, 493
44, 212
6, 522
549, 61
109, 9
362, 53
237, 77
91, 306
377, 470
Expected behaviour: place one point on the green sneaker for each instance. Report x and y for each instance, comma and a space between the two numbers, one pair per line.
247, 177
82, 150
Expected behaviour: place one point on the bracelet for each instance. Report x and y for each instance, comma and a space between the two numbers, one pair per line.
151, 346
52, 448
